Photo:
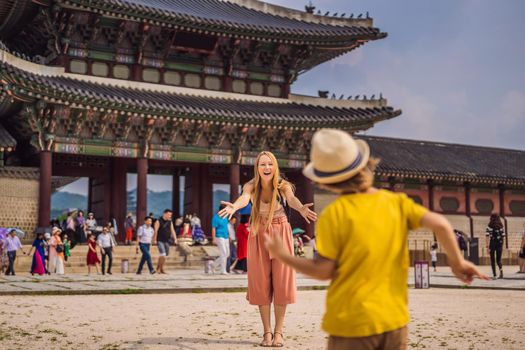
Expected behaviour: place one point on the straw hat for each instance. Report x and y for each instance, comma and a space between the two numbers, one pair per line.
335, 157
55, 229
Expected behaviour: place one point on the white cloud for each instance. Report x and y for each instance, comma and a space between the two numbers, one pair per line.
352, 59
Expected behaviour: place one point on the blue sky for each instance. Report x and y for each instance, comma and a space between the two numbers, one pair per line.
455, 68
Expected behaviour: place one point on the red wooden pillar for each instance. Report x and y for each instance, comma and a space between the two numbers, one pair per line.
235, 177
142, 189
44, 193
136, 72
118, 194
107, 196
501, 200
501, 188
176, 194
468, 210
430, 185
205, 204
227, 83
195, 181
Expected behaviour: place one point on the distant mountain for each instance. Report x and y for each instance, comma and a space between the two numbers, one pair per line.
61, 201
157, 201
219, 196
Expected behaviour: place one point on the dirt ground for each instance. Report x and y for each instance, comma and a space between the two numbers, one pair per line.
441, 319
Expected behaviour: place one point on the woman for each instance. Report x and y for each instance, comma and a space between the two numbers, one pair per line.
242, 234
129, 224
198, 235
91, 224
81, 228
92, 256
494, 243
186, 231
38, 265
269, 279
56, 252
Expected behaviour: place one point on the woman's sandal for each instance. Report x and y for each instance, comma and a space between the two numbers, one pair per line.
278, 344
265, 343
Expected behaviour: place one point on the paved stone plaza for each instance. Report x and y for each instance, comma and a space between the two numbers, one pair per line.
194, 280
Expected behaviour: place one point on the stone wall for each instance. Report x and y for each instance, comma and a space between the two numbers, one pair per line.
19, 204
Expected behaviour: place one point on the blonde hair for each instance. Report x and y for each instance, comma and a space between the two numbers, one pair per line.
360, 182
278, 184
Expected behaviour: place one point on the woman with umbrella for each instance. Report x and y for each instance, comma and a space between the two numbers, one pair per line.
4, 261
56, 252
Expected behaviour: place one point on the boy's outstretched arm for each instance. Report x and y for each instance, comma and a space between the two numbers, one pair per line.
464, 270
319, 268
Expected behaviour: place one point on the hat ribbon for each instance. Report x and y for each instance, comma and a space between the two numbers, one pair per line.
352, 166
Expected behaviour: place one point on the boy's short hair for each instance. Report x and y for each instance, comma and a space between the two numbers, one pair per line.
167, 211
359, 183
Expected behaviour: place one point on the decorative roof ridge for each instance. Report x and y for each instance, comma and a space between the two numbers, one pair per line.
287, 27
327, 102
19, 172
304, 16
438, 143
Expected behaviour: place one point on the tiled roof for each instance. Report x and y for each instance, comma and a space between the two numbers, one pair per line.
225, 108
237, 17
31, 173
6, 140
16, 172
435, 160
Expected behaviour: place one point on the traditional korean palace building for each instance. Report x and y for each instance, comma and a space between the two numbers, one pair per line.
196, 88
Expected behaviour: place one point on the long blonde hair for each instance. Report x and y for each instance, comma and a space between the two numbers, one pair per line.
278, 184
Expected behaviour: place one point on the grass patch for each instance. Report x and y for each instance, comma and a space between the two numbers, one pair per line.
319, 287
54, 331
127, 291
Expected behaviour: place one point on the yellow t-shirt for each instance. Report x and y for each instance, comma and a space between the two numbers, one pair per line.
367, 235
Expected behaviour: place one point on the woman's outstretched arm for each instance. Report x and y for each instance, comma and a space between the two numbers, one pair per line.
295, 203
240, 203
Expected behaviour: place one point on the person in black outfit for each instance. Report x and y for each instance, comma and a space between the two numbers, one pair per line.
494, 242
164, 230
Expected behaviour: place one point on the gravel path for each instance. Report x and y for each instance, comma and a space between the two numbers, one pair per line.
441, 319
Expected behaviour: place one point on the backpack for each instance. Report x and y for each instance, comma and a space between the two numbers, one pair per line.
462, 243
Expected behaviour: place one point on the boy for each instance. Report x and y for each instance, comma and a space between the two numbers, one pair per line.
362, 247
433, 255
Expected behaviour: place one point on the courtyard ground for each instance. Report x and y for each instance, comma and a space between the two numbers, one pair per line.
441, 319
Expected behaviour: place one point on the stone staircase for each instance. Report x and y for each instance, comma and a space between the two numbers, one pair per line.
181, 257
